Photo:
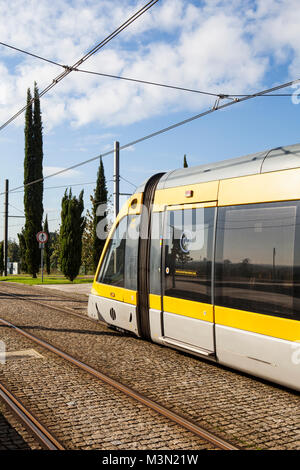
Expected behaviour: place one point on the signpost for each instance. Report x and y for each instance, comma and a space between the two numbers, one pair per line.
42, 238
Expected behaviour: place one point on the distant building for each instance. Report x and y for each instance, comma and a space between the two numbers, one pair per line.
12, 267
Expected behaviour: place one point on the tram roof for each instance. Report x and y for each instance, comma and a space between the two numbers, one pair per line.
279, 158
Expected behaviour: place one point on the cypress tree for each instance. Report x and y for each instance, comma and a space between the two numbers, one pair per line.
185, 164
47, 250
54, 250
100, 198
22, 246
87, 242
1, 258
13, 251
33, 170
38, 148
70, 237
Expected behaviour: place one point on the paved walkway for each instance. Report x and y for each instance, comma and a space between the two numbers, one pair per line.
70, 288
252, 413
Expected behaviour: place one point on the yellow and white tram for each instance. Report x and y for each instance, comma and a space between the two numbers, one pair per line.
207, 260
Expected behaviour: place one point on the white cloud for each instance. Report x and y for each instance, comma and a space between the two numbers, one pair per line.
214, 45
50, 170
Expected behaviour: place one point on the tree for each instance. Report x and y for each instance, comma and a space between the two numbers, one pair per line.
54, 250
22, 248
1, 258
70, 237
47, 250
33, 170
87, 242
185, 164
13, 251
99, 198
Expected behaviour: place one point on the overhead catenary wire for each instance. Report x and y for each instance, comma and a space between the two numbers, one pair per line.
16, 208
127, 181
21, 225
117, 31
64, 186
136, 80
215, 108
68, 70
146, 82
174, 87
31, 54
75, 69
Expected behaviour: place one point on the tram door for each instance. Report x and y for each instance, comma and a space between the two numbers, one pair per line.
187, 253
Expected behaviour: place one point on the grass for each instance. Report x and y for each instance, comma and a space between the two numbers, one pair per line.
52, 279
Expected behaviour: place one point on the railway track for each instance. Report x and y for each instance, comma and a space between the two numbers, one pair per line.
167, 413
51, 307
39, 431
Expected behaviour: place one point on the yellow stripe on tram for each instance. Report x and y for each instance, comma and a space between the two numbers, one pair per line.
115, 293
155, 301
189, 308
277, 327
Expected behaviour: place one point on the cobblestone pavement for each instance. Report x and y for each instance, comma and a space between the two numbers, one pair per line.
82, 412
245, 410
13, 436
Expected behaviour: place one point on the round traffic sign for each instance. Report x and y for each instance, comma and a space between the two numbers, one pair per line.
42, 237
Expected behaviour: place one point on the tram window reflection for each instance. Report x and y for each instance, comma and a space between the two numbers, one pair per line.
188, 254
256, 259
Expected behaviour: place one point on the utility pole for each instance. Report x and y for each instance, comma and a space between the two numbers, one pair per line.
5, 227
6, 216
116, 179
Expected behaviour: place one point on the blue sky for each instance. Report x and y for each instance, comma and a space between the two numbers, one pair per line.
218, 46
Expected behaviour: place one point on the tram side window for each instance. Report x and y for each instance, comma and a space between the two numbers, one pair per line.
257, 258
188, 253
112, 269
155, 253
131, 253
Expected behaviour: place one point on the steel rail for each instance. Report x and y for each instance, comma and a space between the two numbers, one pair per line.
178, 419
41, 433
51, 307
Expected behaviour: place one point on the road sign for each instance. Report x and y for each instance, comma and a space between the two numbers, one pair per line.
42, 237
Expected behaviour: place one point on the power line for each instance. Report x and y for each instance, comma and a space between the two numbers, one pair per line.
135, 80
174, 87
145, 82
19, 210
63, 186
66, 186
129, 182
108, 75
95, 49
117, 31
215, 108
31, 54
21, 225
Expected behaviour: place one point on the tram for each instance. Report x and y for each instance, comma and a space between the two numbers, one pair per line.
206, 260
